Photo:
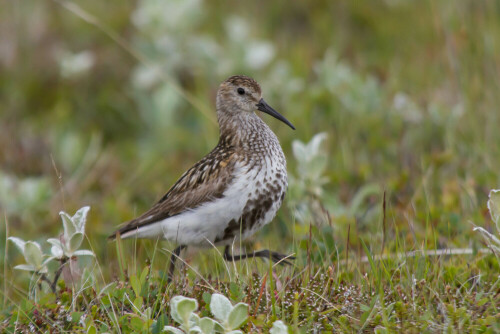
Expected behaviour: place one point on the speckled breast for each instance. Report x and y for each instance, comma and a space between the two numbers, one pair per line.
267, 192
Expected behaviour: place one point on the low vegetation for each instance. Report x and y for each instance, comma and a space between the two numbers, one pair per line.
389, 212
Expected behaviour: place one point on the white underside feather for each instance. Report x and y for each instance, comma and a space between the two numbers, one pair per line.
202, 225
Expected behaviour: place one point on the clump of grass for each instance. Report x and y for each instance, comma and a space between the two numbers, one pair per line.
412, 293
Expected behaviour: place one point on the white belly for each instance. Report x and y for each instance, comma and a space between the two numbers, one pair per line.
206, 224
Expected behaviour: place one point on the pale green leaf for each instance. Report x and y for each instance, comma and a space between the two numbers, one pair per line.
148, 312
313, 147
279, 328
494, 207
144, 274
170, 329
68, 225
79, 219
33, 254
57, 248
57, 252
136, 285
138, 301
220, 307
75, 242
91, 330
218, 327
19, 243
55, 242
27, 267
173, 309
206, 325
238, 315
315, 167
186, 307
195, 330
299, 150
83, 252
176, 309
194, 318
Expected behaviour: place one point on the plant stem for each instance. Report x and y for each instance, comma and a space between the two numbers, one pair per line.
64, 260
45, 279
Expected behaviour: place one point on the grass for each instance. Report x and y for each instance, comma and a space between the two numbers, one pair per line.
405, 92
418, 293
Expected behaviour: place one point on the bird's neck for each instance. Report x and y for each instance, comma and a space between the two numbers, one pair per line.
238, 130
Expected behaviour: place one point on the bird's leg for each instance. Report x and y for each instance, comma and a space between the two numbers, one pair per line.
274, 256
230, 257
173, 257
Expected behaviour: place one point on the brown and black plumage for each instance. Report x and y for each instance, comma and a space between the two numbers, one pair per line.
233, 191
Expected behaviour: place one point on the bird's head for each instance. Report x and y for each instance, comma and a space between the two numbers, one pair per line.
242, 94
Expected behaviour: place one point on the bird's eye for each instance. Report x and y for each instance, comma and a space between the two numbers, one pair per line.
241, 91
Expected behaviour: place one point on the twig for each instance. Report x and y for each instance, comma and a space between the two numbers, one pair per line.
64, 260
59, 179
45, 279
260, 295
435, 252
309, 248
5, 262
347, 250
383, 225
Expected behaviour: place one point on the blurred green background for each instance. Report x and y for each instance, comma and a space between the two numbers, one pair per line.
107, 103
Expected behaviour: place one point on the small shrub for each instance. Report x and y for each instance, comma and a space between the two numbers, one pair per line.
229, 317
65, 249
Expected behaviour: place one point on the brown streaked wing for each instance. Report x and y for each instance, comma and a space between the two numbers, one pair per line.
205, 181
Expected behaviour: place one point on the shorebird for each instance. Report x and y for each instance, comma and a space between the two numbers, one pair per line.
233, 191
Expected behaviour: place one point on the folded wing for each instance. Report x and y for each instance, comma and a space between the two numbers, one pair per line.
204, 182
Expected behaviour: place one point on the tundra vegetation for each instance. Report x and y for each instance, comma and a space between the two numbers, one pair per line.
391, 212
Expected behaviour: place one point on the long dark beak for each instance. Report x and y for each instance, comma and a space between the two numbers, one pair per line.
264, 107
